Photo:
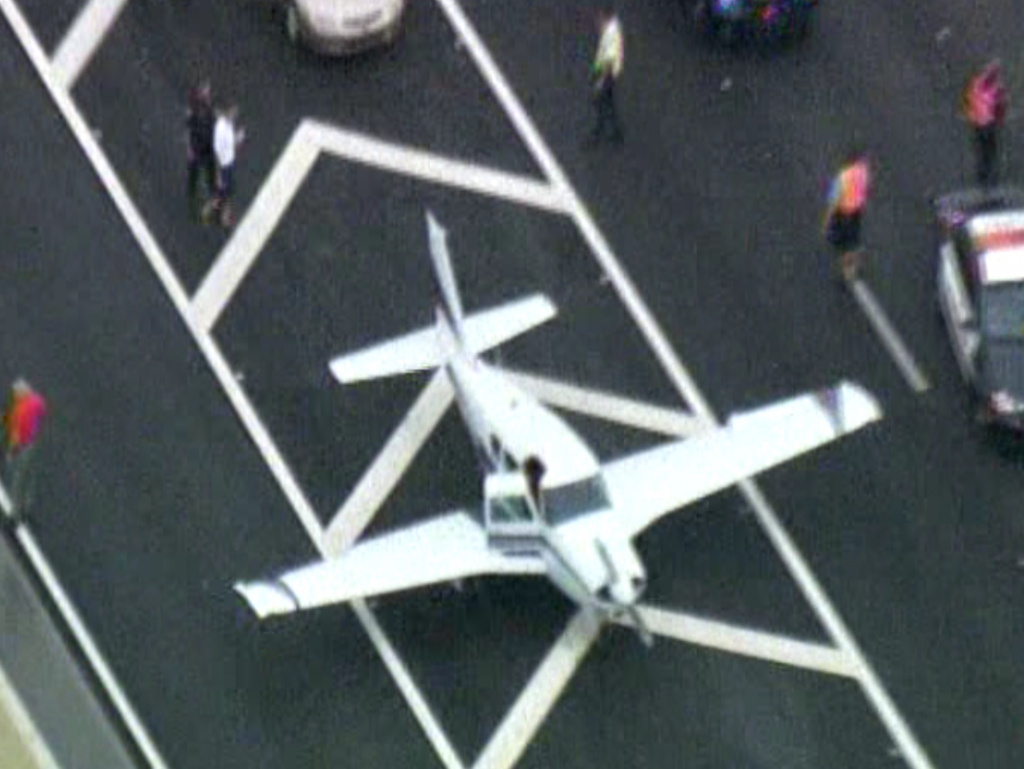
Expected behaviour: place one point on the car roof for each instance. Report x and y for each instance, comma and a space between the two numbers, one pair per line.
998, 240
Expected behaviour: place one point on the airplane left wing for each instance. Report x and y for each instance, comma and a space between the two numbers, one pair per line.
438, 550
647, 485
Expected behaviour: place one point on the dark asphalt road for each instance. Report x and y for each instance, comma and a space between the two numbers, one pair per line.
155, 500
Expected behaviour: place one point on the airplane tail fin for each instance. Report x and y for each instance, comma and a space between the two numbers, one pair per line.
451, 303
431, 347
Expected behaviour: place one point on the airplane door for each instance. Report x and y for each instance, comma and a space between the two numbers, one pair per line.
509, 515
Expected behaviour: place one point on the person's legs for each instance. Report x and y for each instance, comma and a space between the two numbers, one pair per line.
226, 192
613, 113
985, 145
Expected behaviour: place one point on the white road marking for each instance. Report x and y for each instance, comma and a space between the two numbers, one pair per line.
524, 718
82, 636
791, 556
80, 42
417, 703
389, 466
888, 336
351, 145
609, 407
876, 693
246, 414
34, 743
303, 149
257, 225
748, 643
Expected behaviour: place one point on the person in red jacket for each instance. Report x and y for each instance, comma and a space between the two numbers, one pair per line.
984, 109
22, 419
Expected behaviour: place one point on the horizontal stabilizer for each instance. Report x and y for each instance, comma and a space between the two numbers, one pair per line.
417, 351
652, 483
422, 350
440, 549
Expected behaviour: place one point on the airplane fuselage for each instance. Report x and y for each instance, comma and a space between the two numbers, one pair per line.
593, 567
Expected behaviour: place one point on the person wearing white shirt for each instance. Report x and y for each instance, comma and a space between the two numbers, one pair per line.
227, 137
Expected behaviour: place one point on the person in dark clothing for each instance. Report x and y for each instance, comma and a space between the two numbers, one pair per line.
200, 120
604, 72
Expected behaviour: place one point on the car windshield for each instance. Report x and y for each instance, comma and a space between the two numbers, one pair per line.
563, 503
1002, 311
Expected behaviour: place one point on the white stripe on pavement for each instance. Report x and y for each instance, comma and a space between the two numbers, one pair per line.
909, 747
746, 642
611, 408
887, 335
247, 241
80, 42
389, 466
225, 377
524, 718
413, 696
365, 149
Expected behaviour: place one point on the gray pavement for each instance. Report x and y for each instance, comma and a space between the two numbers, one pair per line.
712, 206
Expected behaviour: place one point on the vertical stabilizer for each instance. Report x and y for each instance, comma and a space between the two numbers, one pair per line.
450, 301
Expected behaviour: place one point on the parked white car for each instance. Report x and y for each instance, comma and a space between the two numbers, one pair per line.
338, 27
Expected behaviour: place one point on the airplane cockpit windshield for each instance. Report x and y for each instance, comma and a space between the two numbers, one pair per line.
563, 503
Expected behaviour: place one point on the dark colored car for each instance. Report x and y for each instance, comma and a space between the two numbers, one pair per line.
980, 283
731, 21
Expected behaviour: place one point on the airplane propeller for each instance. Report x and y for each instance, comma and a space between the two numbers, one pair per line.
630, 610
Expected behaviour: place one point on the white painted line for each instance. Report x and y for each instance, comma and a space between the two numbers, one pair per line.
247, 241
417, 703
33, 742
745, 642
83, 39
888, 336
611, 408
910, 748
111, 685
871, 685
524, 718
436, 168
246, 414
390, 465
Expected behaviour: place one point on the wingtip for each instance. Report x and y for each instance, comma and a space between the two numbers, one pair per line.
855, 406
266, 598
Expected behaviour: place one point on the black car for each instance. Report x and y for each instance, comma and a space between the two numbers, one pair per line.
731, 21
980, 283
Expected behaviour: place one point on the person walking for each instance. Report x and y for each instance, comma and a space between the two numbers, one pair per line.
605, 72
227, 138
199, 121
22, 419
984, 109
847, 196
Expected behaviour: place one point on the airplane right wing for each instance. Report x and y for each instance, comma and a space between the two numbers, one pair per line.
649, 484
440, 549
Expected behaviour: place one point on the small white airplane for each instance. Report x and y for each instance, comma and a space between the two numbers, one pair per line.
550, 508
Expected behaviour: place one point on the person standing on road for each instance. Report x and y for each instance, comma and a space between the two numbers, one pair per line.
848, 194
984, 108
227, 137
604, 73
22, 418
199, 122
